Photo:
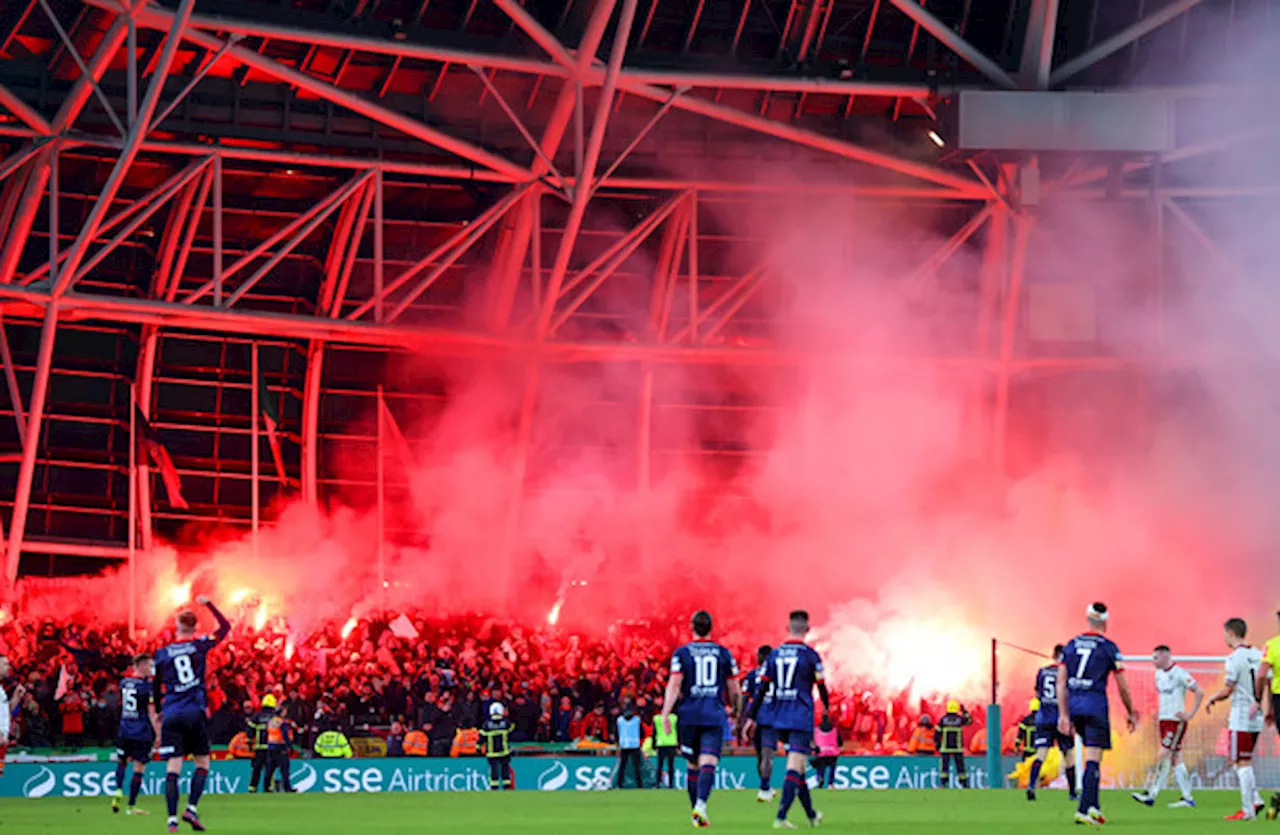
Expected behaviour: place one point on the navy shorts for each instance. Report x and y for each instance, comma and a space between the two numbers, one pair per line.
700, 739
1048, 736
138, 751
1094, 731
795, 742
183, 735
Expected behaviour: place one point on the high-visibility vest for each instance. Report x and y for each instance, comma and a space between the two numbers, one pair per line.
827, 742
275, 732
921, 741
415, 744
662, 739
239, 747
333, 745
465, 743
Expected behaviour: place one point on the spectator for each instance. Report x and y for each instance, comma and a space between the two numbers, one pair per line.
72, 707
395, 740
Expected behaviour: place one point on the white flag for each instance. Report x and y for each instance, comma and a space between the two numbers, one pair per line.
64, 684
402, 627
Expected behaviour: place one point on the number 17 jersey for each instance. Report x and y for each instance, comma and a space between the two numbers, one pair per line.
180, 669
790, 674
707, 668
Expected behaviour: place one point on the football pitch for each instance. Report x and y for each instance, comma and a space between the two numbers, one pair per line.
625, 813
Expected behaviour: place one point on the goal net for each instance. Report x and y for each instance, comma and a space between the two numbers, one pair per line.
1205, 747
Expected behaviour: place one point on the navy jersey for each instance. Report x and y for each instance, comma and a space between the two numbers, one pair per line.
135, 719
707, 668
180, 669
791, 673
1047, 693
1089, 660
755, 688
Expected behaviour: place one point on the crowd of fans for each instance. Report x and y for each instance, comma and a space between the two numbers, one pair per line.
439, 678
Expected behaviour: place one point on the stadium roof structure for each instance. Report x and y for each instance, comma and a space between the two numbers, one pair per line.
328, 181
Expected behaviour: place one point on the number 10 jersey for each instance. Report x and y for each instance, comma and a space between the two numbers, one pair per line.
707, 668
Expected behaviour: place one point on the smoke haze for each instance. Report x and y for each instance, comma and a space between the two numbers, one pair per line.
865, 491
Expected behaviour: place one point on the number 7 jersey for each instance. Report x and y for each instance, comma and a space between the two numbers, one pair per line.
1089, 660
180, 670
707, 668
790, 674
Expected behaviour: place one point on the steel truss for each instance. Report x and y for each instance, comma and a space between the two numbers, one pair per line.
547, 282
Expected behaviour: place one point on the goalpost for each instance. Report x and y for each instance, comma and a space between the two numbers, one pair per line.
1205, 746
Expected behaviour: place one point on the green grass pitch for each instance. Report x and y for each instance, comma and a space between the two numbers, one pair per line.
625, 813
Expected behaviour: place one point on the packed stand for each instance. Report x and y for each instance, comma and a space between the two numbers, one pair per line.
557, 688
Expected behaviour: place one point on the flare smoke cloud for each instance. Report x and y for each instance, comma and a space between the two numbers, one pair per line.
867, 493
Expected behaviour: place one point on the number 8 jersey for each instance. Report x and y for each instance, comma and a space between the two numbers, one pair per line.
707, 668
180, 669
790, 674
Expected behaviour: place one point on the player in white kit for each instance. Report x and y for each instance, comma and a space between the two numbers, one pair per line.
1245, 720
1172, 683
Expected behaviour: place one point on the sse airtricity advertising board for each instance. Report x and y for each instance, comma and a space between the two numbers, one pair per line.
33, 780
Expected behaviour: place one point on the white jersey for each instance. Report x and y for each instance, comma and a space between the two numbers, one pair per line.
1242, 672
1172, 685
4, 718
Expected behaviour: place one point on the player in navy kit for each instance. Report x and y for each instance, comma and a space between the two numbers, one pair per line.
1047, 734
1088, 661
753, 688
180, 694
704, 679
137, 736
791, 673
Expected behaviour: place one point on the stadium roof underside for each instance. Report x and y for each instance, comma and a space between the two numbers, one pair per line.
334, 180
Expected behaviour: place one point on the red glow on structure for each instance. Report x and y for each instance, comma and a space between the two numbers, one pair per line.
851, 472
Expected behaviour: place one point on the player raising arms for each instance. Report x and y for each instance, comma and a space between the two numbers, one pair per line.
1245, 720
704, 679
138, 721
180, 694
1047, 734
754, 688
791, 672
1088, 661
1172, 683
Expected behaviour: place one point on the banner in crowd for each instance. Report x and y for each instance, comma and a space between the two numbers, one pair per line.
34, 780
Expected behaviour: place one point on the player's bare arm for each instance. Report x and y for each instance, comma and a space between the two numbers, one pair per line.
1122, 684
1261, 685
1221, 696
1198, 692
669, 700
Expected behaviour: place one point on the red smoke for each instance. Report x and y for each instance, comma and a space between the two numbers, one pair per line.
867, 494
